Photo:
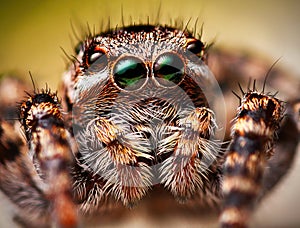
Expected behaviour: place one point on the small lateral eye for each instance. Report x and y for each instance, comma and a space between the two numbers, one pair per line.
93, 57
129, 73
28, 103
195, 46
169, 69
97, 60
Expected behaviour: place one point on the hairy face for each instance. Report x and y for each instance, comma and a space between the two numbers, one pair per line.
142, 105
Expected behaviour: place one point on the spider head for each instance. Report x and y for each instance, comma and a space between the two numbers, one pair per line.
136, 93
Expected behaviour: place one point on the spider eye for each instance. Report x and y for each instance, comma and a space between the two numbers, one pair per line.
129, 72
93, 57
28, 103
195, 46
169, 69
97, 61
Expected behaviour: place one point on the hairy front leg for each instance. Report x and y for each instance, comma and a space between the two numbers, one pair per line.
192, 168
253, 134
19, 180
286, 148
50, 150
111, 155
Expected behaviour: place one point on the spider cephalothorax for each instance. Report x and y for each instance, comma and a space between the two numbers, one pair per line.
142, 98
140, 108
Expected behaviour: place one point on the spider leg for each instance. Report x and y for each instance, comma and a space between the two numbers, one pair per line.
286, 148
252, 134
114, 162
50, 149
18, 178
187, 170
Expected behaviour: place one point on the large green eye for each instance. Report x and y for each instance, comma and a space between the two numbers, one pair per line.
169, 69
129, 73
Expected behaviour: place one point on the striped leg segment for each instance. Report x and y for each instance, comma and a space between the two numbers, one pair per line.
50, 150
187, 170
18, 178
253, 133
286, 148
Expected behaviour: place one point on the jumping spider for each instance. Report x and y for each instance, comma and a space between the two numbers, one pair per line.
140, 109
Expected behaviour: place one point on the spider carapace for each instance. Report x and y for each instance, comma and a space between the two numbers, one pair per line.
140, 108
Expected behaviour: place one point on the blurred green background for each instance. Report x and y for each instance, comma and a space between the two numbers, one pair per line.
32, 33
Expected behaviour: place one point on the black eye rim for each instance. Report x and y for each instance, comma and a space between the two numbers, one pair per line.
183, 61
142, 64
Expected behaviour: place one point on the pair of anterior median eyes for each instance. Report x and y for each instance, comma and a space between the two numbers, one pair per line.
131, 73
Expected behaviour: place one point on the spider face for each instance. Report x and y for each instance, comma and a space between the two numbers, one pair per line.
140, 110
140, 102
